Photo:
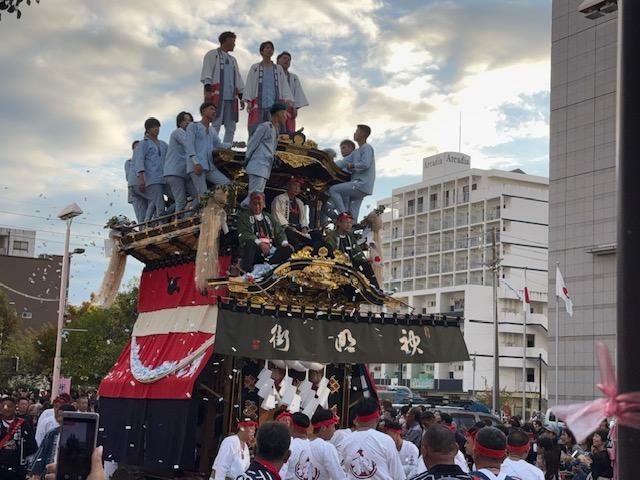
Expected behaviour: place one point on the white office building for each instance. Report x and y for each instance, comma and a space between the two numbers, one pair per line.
17, 243
438, 242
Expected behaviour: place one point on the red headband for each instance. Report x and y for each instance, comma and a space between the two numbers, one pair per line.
345, 215
520, 449
297, 180
393, 430
284, 414
326, 423
489, 452
368, 418
299, 428
248, 423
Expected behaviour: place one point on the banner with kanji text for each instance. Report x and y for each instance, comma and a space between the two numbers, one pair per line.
334, 341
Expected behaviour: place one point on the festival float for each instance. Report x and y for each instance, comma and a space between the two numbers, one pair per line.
209, 349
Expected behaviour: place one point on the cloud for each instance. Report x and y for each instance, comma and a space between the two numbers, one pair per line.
80, 77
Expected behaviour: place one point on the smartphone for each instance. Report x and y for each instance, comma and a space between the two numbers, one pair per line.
77, 441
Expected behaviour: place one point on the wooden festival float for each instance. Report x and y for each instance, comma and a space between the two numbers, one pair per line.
208, 349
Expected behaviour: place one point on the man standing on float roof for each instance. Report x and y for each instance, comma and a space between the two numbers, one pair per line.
299, 98
260, 151
148, 160
223, 85
201, 141
266, 85
361, 163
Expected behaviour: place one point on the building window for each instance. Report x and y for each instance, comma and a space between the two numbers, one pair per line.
21, 245
433, 200
451, 376
411, 207
474, 186
465, 193
531, 375
531, 340
420, 204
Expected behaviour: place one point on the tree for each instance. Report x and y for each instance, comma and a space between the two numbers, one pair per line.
92, 341
88, 355
8, 319
13, 6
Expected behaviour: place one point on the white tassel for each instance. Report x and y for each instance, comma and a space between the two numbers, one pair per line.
212, 221
115, 271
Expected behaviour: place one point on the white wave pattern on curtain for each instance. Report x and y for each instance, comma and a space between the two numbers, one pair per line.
145, 374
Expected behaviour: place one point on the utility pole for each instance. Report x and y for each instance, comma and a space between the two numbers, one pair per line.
473, 383
495, 404
628, 196
525, 312
540, 382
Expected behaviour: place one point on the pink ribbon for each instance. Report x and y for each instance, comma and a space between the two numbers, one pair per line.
584, 418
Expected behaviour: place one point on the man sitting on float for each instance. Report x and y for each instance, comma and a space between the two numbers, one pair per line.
291, 213
344, 240
260, 236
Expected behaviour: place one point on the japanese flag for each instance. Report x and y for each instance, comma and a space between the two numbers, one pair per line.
563, 292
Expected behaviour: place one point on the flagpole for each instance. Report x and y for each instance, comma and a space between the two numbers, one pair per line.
524, 348
557, 333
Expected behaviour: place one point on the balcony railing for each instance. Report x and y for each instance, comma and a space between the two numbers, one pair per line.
447, 267
421, 249
493, 214
447, 222
435, 225
434, 247
462, 243
433, 269
447, 245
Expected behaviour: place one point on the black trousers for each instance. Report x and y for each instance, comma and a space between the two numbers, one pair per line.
296, 240
251, 254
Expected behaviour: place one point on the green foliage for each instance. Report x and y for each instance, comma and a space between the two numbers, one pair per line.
8, 319
88, 355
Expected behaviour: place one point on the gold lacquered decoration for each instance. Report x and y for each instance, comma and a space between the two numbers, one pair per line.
284, 138
226, 155
323, 252
294, 160
333, 385
310, 144
299, 139
302, 254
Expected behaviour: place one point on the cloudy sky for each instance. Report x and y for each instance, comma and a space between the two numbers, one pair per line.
79, 77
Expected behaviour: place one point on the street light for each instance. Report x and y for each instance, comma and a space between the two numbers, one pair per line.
67, 214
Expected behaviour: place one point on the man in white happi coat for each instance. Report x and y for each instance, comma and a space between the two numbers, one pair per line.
409, 453
299, 98
233, 457
323, 461
266, 85
516, 465
370, 453
295, 467
291, 213
223, 85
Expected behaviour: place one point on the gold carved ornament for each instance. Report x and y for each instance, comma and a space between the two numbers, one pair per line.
295, 160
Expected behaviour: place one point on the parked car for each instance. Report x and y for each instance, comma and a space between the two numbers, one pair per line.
465, 419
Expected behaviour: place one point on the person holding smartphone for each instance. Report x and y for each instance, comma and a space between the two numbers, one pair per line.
46, 453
